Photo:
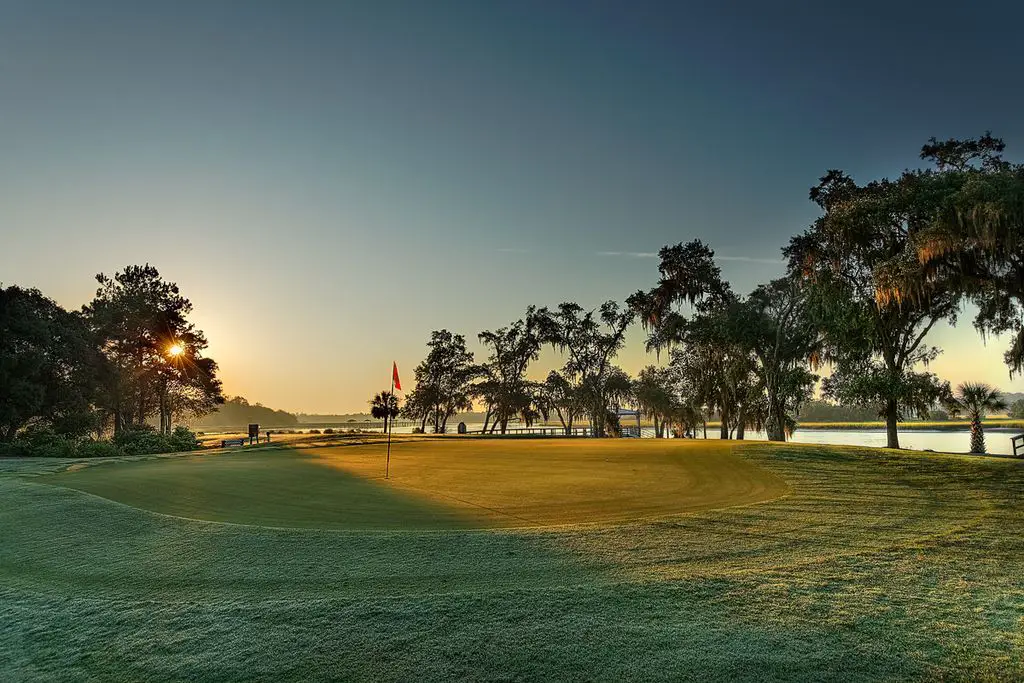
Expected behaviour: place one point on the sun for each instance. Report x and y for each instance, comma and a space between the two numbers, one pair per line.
175, 350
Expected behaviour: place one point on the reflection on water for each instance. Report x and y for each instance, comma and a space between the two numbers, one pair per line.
998, 441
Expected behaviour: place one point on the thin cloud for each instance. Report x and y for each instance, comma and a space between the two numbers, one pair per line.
629, 254
512, 250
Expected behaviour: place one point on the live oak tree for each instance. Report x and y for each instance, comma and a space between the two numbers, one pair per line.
654, 393
418, 406
590, 341
686, 307
695, 388
971, 234
560, 397
755, 350
49, 366
445, 377
774, 322
874, 342
504, 388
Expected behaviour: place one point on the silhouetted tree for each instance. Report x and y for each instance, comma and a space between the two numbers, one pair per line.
655, 396
774, 322
139, 318
562, 398
418, 406
384, 406
445, 377
696, 389
49, 366
691, 305
504, 389
590, 340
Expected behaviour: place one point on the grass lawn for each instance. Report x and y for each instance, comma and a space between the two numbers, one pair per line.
512, 560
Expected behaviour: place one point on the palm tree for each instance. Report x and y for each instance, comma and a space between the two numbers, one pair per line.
384, 406
976, 399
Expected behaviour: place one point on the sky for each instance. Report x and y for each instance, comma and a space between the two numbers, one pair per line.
330, 181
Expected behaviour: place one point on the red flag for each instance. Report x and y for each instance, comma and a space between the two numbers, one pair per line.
394, 376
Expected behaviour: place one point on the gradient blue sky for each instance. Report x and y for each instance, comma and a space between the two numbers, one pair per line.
328, 182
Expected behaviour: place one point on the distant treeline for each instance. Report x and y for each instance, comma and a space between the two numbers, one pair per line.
238, 412
824, 411
307, 418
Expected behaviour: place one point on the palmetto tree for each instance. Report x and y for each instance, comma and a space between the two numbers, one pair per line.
976, 399
384, 406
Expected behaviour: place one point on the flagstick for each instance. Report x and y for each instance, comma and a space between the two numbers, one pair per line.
387, 466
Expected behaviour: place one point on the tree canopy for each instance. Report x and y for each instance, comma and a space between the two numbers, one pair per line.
49, 366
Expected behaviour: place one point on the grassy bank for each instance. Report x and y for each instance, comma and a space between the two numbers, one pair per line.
872, 565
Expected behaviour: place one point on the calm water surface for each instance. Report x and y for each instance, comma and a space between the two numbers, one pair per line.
997, 440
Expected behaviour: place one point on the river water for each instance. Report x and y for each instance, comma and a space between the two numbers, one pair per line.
943, 441
997, 440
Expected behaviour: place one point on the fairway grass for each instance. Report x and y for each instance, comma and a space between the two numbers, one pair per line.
871, 565
466, 483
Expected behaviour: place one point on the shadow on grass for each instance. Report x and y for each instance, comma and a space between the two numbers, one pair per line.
284, 489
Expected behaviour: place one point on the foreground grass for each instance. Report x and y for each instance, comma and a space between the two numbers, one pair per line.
875, 566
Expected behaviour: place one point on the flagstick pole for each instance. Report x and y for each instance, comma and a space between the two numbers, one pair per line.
391, 419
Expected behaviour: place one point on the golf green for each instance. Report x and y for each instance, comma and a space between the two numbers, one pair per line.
437, 485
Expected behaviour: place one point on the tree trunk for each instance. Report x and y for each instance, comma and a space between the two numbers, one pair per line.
657, 427
487, 420
892, 435
977, 435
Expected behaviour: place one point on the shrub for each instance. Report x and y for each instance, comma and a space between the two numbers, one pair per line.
1017, 409
97, 449
314, 431
43, 442
182, 439
328, 431
144, 440
40, 442
139, 440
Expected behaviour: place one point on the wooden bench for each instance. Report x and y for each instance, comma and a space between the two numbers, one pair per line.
224, 443
1018, 444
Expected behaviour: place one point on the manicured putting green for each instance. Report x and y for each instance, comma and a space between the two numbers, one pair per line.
438, 484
